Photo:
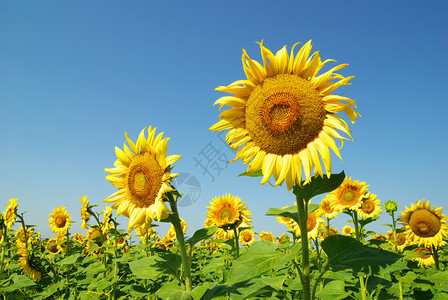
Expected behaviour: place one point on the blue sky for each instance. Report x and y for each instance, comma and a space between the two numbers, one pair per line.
77, 75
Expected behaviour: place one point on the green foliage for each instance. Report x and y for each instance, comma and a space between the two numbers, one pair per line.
318, 186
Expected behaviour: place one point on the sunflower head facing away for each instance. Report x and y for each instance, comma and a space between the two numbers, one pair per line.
142, 175
9, 216
283, 116
227, 211
85, 215
59, 220
425, 225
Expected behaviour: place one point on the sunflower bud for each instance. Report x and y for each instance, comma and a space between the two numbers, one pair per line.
391, 206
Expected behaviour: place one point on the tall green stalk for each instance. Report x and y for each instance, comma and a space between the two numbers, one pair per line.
175, 220
302, 210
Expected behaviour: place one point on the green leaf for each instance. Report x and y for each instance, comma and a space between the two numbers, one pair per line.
346, 251
260, 258
259, 173
364, 222
171, 291
52, 288
319, 185
202, 234
154, 266
334, 290
20, 281
70, 260
289, 212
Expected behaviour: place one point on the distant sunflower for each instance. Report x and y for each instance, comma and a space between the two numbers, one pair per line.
347, 230
314, 222
30, 236
348, 195
95, 236
370, 207
324, 232
85, 215
107, 213
425, 257
29, 265
227, 211
59, 220
424, 224
327, 208
283, 239
402, 239
268, 236
10, 214
53, 246
283, 116
285, 220
247, 237
142, 174
79, 238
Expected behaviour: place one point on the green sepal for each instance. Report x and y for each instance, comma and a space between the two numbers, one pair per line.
259, 173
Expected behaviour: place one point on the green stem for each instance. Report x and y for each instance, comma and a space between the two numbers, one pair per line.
435, 254
394, 222
400, 286
316, 243
363, 287
237, 242
327, 267
328, 226
181, 240
355, 221
5, 241
302, 210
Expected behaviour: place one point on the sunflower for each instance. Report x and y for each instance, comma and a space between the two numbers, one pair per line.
85, 215
425, 257
324, 232
284, 238
30, 237
142, 174
370, 207
425, 225
247, 237
54, 245
227, 211
142, 231
314, 222
347, 230
107, 214
327, 208
79, 238
268, 236
348, 195
402, 239
9, 216
284, 116
59, 220
379, 237
29, 265
95, 236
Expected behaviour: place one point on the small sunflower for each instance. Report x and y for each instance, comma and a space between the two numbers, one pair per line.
54, 245
314, 222
29, 265
327, 208
283, 239
283, 117
143, 230
9, 216
379, 237
30, 236
79, 238
142, 174
348, 195
95, 236
107, 214
324, 232
425, 225
370, 207
425, 257
247, 237
227, 211
85, 215
347, 230
59, 220
268, 236
402, 239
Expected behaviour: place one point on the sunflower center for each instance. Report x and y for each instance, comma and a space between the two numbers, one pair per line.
247, 237
426, 252
144, 180
284, 113
424, 223
348, 197
326, 207
60, 221
401, 239
52, 247
227, 215
9, 214
368, 206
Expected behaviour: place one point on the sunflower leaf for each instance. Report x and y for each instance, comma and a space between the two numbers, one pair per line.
259, 173
348, 252
202, 234
289, 212
319, 185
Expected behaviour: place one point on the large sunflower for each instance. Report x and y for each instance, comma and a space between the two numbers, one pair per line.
348, 195
227, 210
59, 220
283, 116
425, 225
142, 174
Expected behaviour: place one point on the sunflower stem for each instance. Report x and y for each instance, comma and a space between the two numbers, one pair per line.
363, 287
302, 210
5, 242
394, 222
355, 221
237, 242
175, 220
435, 254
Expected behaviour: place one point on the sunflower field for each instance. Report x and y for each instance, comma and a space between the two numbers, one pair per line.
282, 121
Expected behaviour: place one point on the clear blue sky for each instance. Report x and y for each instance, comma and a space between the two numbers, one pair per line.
76, 75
